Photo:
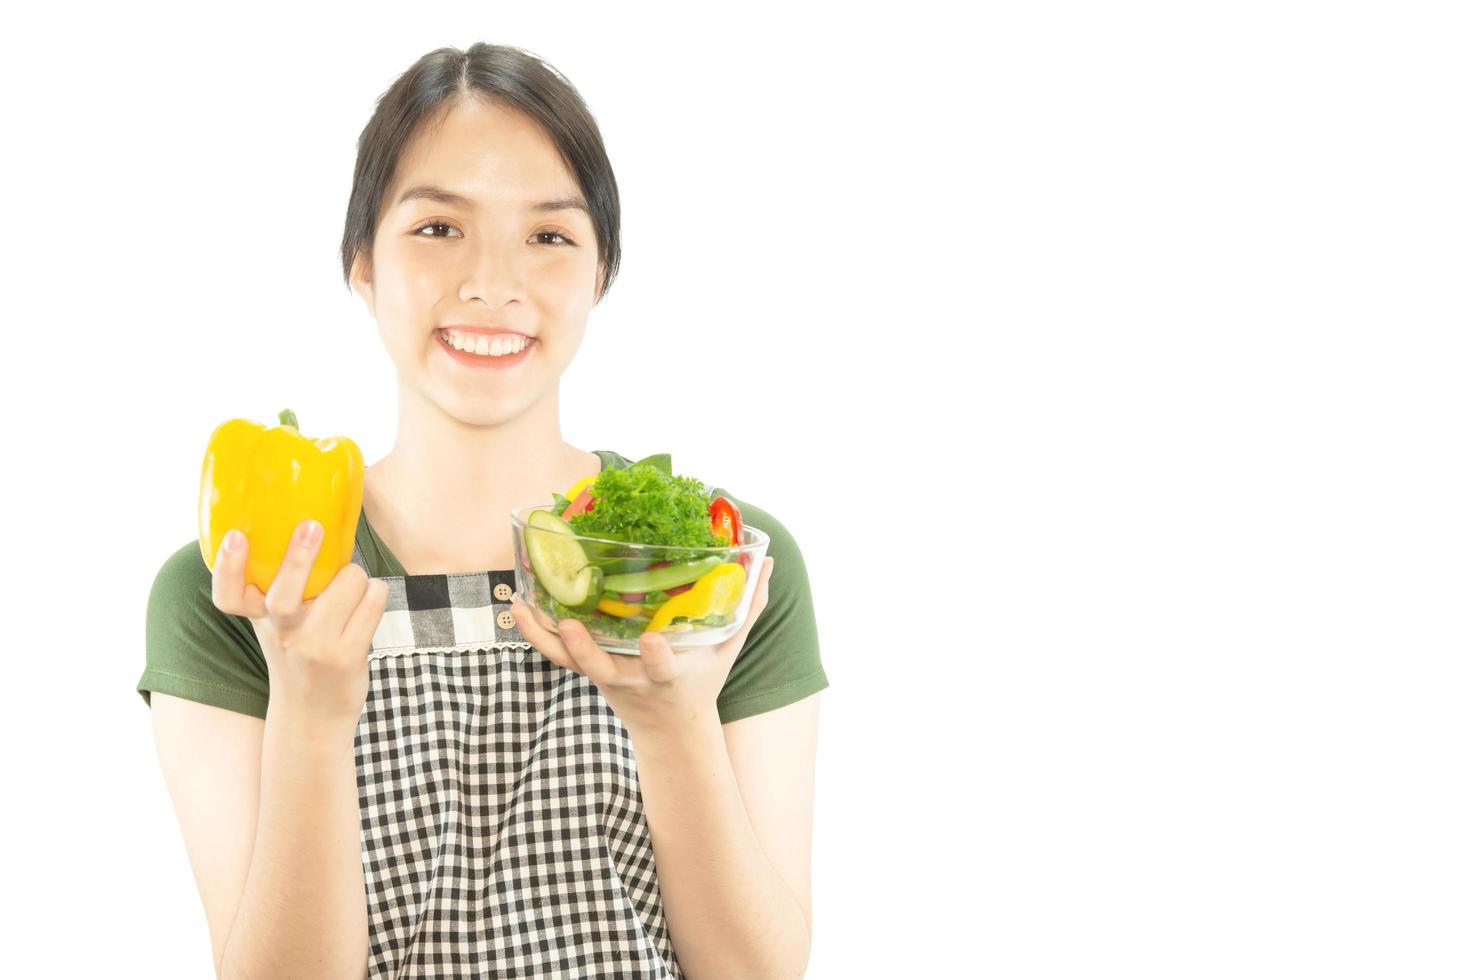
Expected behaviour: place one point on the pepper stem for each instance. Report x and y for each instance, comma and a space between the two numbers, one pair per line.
287, 417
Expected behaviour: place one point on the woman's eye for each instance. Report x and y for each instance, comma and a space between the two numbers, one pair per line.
432, 224
555, 234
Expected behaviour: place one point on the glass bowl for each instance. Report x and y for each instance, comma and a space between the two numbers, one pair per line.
619, 589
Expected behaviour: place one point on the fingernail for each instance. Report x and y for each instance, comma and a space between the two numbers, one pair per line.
308, 533
232, 540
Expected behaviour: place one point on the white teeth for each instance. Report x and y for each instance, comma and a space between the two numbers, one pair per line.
482, 345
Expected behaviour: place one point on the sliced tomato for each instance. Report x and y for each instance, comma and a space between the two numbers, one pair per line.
726, 521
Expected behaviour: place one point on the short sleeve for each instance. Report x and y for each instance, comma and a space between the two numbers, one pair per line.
193, 650
781, 659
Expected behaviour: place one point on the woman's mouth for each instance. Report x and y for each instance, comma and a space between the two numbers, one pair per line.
503, 351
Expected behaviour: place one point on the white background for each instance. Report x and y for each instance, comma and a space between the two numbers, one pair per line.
1104, 360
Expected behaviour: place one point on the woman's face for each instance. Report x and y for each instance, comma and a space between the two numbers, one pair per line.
492, 259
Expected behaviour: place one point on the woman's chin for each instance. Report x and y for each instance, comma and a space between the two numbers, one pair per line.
488, 405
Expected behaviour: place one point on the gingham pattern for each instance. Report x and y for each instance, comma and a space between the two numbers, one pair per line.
503, 833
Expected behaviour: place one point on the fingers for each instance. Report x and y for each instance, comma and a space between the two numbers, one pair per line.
541, 638
658, 658
589, 658
254, 604
356, 600
284, 600
229, 574
369, 606
231, 593
757, 604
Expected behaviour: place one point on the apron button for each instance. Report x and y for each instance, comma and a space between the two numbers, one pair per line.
502, 591
505, 621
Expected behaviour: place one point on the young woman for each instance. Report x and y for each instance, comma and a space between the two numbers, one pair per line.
484, 797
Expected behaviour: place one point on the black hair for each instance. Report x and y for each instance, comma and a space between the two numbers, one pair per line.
506, 76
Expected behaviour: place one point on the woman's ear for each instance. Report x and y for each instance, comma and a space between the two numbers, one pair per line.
361, 281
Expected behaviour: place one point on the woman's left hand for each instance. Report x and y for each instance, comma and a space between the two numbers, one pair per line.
660, 690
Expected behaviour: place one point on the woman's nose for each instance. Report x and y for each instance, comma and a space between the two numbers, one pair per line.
493, 272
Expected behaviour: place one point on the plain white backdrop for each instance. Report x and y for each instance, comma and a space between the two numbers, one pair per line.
1106, 361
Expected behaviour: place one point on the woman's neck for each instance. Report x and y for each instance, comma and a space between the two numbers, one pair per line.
455, 527
441, 499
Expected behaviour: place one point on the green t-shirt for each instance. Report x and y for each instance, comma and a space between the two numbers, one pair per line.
196, 652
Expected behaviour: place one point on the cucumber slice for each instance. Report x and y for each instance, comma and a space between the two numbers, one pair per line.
560, 564
667, 577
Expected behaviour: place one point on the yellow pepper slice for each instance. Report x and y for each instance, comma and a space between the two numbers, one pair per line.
616, 607
577, 487
717, 592
263, 482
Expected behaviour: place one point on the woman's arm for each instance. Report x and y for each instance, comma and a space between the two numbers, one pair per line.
211, 766
736, 905
270, 819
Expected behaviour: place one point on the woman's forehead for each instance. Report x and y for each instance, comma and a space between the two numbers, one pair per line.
479, 150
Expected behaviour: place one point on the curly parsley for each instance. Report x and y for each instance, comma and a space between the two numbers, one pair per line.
647, 505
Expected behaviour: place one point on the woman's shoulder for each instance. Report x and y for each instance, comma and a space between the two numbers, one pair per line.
780, 662
194, 650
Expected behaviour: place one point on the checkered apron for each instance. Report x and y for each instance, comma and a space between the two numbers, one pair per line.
503, 833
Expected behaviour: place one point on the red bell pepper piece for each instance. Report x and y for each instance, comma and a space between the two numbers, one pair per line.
580, 505
727, 523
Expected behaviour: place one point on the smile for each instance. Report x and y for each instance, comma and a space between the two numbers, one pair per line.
508, 355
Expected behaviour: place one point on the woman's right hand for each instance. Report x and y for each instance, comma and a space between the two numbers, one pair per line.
315, 649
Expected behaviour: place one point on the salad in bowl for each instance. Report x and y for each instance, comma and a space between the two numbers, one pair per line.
638, 550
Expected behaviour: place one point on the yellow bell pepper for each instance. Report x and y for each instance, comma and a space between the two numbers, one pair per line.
718, 591
263, 482
616, 607
577, 487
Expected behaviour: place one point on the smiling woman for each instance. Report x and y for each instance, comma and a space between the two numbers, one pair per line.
461, 796
488, 234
